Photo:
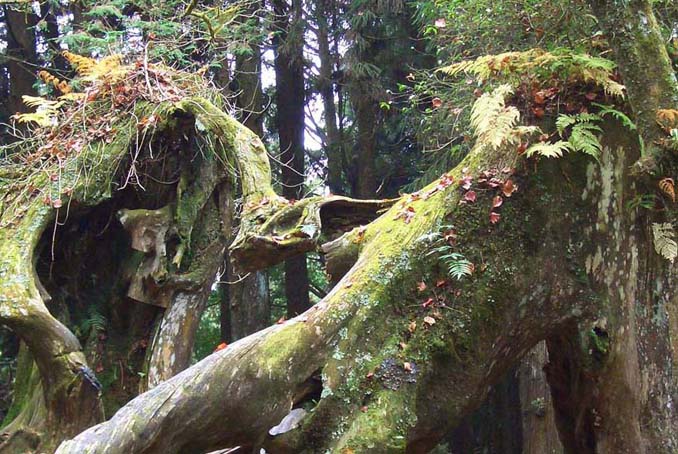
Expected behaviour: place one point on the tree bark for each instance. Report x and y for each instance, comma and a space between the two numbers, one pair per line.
334, 140
540, 434
644, 65
245, 300
22, 56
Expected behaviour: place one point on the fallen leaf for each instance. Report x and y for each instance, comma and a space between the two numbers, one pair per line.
429, 321
508, 188
281, 320
412, 326
436, 102
56, 203
494, 217
466, 182
221, 346
497, 201
441, 283
470, 196
407, 366
440, 23
427, 303
421, 286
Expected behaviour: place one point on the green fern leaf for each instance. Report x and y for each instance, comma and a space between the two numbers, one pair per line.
563, 122
549, 150
583, 139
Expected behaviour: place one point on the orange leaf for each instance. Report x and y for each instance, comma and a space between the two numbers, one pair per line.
221, 346
668, 187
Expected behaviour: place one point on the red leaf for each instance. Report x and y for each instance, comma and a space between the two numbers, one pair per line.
427, 303
497, 201
539, 97
494, 217
436, 102
281, 320
441, 283
421, 286
221, 346
508, 188
538, 112
466, 182
470, 196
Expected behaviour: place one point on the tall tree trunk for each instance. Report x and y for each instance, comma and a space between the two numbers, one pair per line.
245, 300
333, 142
290, 101
365, 148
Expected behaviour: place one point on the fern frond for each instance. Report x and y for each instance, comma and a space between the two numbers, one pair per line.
491, 119
664, 243
617, 115
584, 139
109, 68
549, 150
45, 113
574, 67
563, 122
457, 265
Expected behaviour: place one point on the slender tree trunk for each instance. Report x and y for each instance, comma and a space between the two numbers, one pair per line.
290, 101
333, 145
245, 300
365, 148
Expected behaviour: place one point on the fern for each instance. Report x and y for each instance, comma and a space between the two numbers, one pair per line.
109, 68
664, 242
583, 138
549, 150
457, 265
494, 123
616, 114
542, 65
45, 113
94, 322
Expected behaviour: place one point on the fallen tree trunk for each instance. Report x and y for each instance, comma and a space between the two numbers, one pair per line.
384, 362
439, 294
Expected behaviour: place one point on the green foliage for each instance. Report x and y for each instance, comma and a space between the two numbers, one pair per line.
208, 334
457, 265
582, 137
540, 65
94, 322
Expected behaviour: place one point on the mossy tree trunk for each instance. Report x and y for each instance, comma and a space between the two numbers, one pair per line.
569, 262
